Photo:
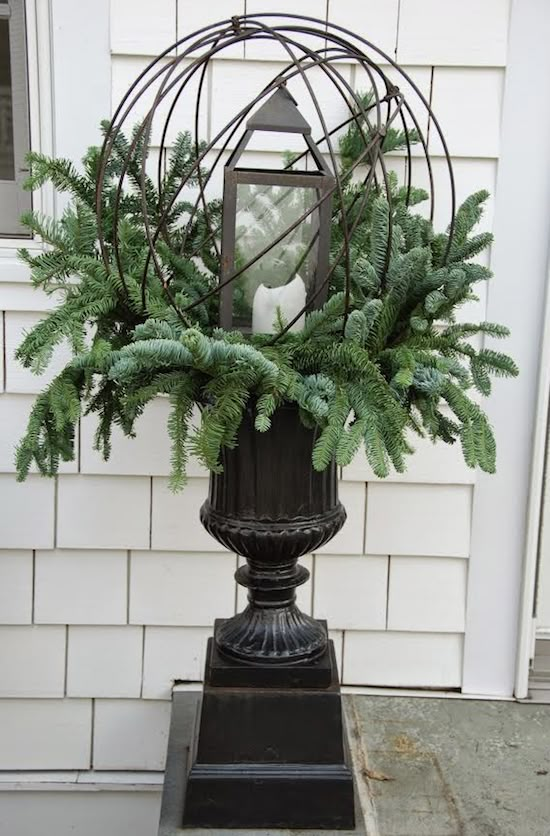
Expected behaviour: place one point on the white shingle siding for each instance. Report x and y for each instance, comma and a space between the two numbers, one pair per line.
81, 587
32, 661
351, 591
193, 16
463, 34
104, 512
45, 734
427, 594
28, 510
418, 519
175, 518
467, 103
400, 660
351, 538
148, 453
104, 661
138, 29
126, 68
16, 587
431, 464
130, 734
169, 654
174, 588
107, 559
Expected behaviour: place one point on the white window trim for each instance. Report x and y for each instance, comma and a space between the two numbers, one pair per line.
13, 199
62, 113
39, 77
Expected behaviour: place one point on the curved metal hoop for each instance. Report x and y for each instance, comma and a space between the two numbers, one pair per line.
317, 57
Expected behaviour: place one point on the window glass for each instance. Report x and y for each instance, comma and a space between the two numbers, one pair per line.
7, 162
14, 120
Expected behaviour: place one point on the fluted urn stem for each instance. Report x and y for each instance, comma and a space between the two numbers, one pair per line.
271, 507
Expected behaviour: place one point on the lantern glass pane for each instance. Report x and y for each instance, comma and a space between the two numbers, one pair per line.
273, 289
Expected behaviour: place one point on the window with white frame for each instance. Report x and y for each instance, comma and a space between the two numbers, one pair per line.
14, 118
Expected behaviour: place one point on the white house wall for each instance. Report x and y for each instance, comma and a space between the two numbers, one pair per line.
113, 583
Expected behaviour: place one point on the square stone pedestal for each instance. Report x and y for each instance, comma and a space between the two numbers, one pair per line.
259, 758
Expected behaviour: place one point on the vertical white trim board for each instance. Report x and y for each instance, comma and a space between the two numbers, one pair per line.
526, 643
520, 265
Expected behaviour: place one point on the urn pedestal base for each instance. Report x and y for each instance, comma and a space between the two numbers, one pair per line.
269, 747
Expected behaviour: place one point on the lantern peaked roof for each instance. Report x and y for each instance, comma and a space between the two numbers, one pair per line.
279, 113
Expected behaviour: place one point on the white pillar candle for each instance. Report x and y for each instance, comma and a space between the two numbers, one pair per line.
289, 299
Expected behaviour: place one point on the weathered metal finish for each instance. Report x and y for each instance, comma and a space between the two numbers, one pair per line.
271, 507
269, 755
269, 746
279, 113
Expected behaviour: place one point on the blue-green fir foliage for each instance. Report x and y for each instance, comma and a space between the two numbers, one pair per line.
397, 365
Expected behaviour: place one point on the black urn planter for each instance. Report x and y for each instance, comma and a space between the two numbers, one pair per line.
271, 507
269, 745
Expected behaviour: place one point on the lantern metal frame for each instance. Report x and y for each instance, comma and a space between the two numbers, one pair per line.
280, 115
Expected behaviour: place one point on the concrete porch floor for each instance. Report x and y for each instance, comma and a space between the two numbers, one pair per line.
438, 767
458, 767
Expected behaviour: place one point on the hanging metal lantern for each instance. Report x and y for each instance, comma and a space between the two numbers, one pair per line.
276, 230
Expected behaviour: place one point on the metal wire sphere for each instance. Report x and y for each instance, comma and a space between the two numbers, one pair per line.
317, 57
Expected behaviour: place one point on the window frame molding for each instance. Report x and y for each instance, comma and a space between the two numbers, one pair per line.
13, 200
40, 112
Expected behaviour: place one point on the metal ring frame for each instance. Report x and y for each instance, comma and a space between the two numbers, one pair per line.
169, 77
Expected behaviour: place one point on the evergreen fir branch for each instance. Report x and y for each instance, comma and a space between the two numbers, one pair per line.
265, 407
326, 445
324, 319
467, 217
314, 394
375, 448
62, 174
50, 230
470, 329
467, 441
380, 230
480, 377
181, 402
471, 247
356, 327
484, 443
350, 441
50, 433
49, 270
497, 363
366, 375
